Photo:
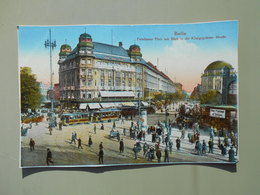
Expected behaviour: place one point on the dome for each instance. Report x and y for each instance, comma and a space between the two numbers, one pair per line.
134, 46
66, 46
65, 49
218, 65
85, 36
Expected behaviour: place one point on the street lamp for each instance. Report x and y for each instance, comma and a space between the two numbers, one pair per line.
49, 44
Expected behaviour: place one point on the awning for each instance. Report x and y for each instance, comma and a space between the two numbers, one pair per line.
117, 94
83, 106
94, 105
145, 103
130, 104
107, 105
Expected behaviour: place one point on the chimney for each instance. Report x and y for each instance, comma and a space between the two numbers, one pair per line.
120, 44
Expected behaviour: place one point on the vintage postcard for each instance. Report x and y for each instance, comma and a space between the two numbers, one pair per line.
110, 95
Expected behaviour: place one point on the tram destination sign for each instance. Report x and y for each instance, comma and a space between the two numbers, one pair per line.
217, 113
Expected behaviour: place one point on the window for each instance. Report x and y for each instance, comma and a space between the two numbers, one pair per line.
89, 83
83, 61
102, 73
129, 83
83, 71
89, 61
109, 74
83, 82
89, 71
102, 82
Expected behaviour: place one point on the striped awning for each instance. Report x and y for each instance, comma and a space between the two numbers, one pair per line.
130, 104
83, 106
94, 105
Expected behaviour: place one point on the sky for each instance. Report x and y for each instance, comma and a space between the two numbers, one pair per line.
182, 51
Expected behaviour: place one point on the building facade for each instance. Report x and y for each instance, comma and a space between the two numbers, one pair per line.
95, 71
220, 76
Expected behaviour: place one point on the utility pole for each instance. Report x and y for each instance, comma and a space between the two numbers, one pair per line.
139, 111
49, 44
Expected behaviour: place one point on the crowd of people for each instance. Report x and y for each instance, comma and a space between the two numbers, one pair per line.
157, 142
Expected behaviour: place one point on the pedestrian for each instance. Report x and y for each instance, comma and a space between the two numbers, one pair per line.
50, 129
114, 124
73, 138
145, 148
231, 155
204, 147
49, 157
79, 143
158, 155
102, 126
223, 149
199, 146
135, 151
122, 120
166, 155
118, 136
95, 128
170, 146
31, 144
178, 143
121, 146
90, 141
211, 144
124, 131
182, 133
101, 156
30, 125
101, 146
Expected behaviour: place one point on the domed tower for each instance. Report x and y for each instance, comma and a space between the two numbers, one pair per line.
216, 76
85, 44
134, 52
65, 50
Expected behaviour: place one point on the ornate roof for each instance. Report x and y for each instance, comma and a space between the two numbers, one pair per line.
85, 35
218, 65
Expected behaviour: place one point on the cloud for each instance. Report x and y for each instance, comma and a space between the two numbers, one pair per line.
185, 61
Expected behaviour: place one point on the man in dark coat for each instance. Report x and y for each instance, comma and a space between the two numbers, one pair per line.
31, 144
79, 144
49, 157
101, 156
135, 151
178, 143
121, 146
90, 141
166, 155
158, 155
211, 144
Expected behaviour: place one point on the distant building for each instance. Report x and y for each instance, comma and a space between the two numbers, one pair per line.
95, 71
44, 92
220, 76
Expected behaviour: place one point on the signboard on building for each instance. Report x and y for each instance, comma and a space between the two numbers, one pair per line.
217, 113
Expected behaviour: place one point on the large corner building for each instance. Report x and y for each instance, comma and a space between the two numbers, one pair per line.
95, 71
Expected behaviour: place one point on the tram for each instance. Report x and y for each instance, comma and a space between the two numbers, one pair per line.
102, 115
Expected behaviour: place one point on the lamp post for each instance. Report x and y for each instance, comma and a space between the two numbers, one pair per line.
51, 45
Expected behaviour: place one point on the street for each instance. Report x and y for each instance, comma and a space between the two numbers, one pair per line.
65, 153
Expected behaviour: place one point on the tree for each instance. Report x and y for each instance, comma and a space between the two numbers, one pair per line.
30, 91
211, 97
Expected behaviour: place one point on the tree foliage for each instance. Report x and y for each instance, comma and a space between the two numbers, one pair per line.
30, 91
211, 97
162, 100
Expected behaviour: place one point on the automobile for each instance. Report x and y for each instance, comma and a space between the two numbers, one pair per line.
113, 133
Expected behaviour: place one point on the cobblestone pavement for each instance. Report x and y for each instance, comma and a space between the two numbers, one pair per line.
65, 153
